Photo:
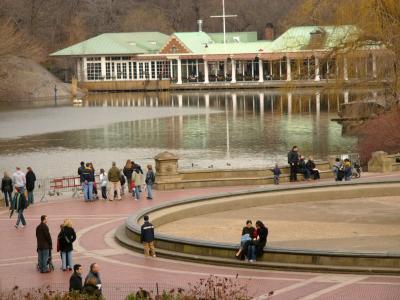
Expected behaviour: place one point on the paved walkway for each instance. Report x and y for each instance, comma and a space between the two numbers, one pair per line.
123, 270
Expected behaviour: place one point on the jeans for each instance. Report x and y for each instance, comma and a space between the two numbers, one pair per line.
21, 217
66, 258
88, 191
149, 191
251, 252
21, 189
306, 173
43, 257
136, 192
30, 197
7, 198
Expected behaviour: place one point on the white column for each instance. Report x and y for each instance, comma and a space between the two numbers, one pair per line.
260, 71
318, 104
79, 69
225, 67
374, 73
288, 69
206, 72
271, 70
317, 78
179, 71
289, 104
345, 71
180, 100
84, 69
103, 67
346, 96
233, 63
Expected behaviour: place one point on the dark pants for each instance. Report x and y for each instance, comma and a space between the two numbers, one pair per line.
43, 257
7, 198
293, 172
104, 192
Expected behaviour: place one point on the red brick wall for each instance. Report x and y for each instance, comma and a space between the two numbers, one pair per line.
168, 48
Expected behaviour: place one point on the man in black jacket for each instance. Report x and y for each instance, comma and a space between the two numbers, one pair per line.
293, 161
44, 244
7, 188
75, 282
18, 204
30, 184
80, 171
147, 237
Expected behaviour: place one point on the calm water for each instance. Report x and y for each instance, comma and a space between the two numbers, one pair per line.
240, 128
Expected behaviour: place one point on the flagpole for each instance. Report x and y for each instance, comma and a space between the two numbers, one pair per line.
223, 17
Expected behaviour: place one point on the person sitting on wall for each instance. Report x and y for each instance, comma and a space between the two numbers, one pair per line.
311, 167
256, 246
302, 168
248, 234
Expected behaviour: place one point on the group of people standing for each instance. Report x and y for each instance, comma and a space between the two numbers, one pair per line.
114, 181
18, 192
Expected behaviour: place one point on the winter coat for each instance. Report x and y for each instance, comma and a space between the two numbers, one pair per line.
66, 237
150, 177
80, 173
250, 231
30, 181
92, 291
128, 172
114, 174
75, 282
6, 184
122, 180
19, 202
88, 175
43, 237
147, 233
276, 171
262, 240
310, 165
293, 157
137, 178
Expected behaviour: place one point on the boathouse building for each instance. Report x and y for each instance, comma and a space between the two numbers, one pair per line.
306, 55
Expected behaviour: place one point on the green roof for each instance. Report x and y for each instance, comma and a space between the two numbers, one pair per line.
233, 37
124, 43
298, 38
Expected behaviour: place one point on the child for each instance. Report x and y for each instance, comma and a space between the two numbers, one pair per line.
277, 173
103, 183
123, 181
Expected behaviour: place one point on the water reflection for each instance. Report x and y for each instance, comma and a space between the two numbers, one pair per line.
253, 128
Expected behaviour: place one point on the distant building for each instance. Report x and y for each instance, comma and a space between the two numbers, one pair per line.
153, 60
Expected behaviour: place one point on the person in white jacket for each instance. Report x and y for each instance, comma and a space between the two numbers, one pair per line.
103, 183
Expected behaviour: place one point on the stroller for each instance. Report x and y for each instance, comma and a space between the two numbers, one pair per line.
49, 263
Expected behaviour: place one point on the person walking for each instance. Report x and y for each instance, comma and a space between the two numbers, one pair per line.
103, 183
7, 188
66, 238
19, 204
114, 176
19, 180
87, 183
137, 179
44, 244
147, 237
94, 276
75, 281
293, 160
128, 170
150, 179
30, 184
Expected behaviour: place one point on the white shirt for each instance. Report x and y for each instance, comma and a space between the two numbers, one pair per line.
103, 179
19, 179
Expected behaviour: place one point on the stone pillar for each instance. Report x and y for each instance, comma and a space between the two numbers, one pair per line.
166, 168
180, 100
346, 96
345, 70
84, 69
317, 78
225, 68
206, 72
374, 73
260, 71
179, 79
288, 69
233, 63
79, 69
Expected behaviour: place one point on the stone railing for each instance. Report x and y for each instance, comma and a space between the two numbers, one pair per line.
169, 176
383, 162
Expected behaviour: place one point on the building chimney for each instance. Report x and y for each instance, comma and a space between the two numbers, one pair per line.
269, 32
200, 24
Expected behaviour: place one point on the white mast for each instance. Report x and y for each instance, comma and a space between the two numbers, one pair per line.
224, 16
